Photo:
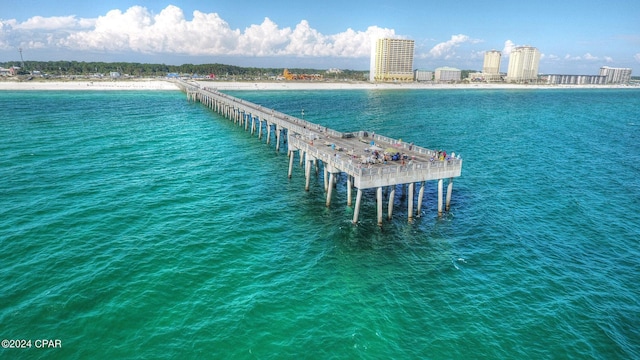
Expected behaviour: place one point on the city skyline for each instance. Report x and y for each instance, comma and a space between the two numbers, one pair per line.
321, 35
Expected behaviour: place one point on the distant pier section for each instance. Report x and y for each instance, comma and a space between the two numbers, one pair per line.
369, 161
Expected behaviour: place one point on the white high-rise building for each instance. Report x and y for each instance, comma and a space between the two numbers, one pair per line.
492, 62
491, 67
523, 64
616, 75
392, 60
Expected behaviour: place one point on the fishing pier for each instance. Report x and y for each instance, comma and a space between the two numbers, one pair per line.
369, 161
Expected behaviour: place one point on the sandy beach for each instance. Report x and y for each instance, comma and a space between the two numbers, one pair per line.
88, 85
156, 84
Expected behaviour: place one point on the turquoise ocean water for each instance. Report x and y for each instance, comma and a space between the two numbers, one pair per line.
138, 225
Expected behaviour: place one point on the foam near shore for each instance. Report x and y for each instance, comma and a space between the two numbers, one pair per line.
144, 84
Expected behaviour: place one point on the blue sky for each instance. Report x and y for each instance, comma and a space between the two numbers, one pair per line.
574, 36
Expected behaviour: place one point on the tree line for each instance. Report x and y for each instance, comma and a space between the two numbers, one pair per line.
81, 68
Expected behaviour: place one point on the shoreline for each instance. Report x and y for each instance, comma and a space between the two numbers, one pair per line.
87, 85
167, 85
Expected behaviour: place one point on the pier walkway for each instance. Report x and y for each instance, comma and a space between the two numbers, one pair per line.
369, 160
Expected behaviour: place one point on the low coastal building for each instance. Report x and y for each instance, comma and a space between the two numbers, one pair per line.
616, 75
423, 75
447, 74
475, 76
12, 71
559, 79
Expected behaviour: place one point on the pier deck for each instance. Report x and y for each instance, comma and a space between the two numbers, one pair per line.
352, 153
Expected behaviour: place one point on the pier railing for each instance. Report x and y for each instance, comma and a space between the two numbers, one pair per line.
366, 176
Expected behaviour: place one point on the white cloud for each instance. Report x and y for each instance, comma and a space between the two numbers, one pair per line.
476, 55
588, 56
306, 41
636, 56
53, 23
508, 47
139, 30
446, 50
260, 40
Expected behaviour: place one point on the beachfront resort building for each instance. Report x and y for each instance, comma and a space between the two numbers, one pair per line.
423, 75
616, 75
559, 79
447, 75
491, 67
12, 71
392, 60
523, 65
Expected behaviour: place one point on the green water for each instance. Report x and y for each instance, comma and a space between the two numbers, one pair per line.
138, 225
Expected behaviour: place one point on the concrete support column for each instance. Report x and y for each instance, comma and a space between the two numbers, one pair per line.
410, 201
349, 190
268, 132
290, 163
259, 128
356, 210
278, 134
449, 190
329, 191
326, 178
307, 173
301, 154
439, 197
392, 195
420, 196
379, 203
288, 140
